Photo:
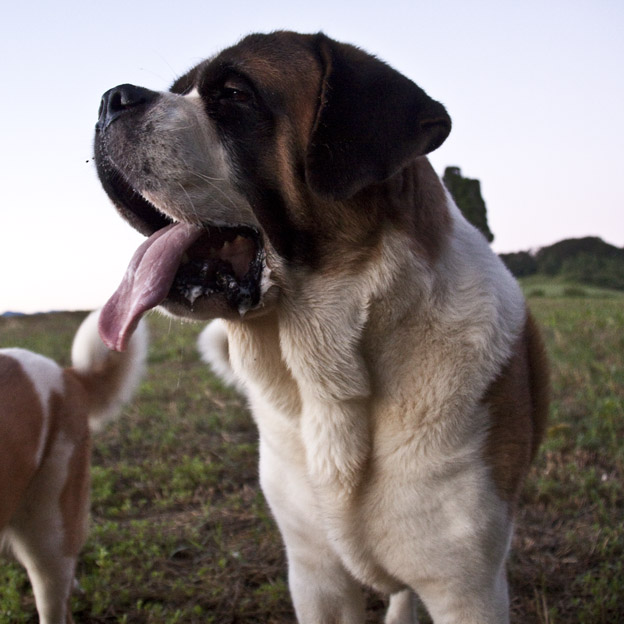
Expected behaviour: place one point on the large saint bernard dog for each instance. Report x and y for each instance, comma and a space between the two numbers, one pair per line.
397, 380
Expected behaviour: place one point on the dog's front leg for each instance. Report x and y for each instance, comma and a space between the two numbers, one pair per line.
322, 590
402, 608
336, 437
321, 349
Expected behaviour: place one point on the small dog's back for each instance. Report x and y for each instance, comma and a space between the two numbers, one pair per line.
46, 414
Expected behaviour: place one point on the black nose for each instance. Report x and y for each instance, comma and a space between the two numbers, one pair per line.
119, 100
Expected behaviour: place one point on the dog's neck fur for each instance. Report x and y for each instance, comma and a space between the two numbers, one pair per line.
417, 196
325, 376
322, 357
411, 203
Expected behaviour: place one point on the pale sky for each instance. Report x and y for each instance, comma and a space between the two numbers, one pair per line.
535, 90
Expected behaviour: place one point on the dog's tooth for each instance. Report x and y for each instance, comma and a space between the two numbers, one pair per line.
193, 293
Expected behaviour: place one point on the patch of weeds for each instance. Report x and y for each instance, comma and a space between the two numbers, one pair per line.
599, 594
181, 533
574, 291
274, 593
14, 584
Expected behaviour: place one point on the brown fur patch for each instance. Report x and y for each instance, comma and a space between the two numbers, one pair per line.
72, 420
21, 420
540, 382
518, 403
413, 202
429, 217
98, 386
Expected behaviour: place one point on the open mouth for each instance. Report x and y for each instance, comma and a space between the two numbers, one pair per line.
223, 260
197, 270
189, 267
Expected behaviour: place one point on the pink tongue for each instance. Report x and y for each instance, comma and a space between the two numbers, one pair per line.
147, 281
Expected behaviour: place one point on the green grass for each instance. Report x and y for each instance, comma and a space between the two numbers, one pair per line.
570, 540
556, 287
180, 532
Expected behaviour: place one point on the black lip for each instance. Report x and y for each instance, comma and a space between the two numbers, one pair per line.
132, 206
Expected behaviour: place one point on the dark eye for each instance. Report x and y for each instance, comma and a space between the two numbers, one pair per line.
236, 95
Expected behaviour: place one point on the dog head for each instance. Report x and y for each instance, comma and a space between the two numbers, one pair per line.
254, 164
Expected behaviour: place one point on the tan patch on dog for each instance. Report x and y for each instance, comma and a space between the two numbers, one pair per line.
96, 387
431, 219
518, 402
21, 422
414, 200
72, 420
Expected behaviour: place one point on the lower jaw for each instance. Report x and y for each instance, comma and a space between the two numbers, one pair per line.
204, 308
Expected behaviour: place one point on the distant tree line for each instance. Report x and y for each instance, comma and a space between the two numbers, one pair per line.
588, 260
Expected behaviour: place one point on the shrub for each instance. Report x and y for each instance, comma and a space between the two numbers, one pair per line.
574, 291
521, 263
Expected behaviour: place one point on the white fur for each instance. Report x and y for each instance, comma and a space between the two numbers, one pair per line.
197, 151
386, 485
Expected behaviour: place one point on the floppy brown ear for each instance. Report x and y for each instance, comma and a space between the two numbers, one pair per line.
371, 121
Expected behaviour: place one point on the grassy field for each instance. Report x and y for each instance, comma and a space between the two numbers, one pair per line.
180, 532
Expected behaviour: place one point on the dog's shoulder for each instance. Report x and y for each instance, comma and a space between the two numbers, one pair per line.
25, 371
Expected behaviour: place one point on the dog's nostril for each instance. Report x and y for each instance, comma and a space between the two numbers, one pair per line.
115, 102
119, 100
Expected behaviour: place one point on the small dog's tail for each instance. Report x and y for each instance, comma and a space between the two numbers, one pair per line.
213, 346
109, 378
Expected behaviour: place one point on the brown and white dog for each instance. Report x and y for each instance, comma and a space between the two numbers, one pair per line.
46, 414
396, 377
